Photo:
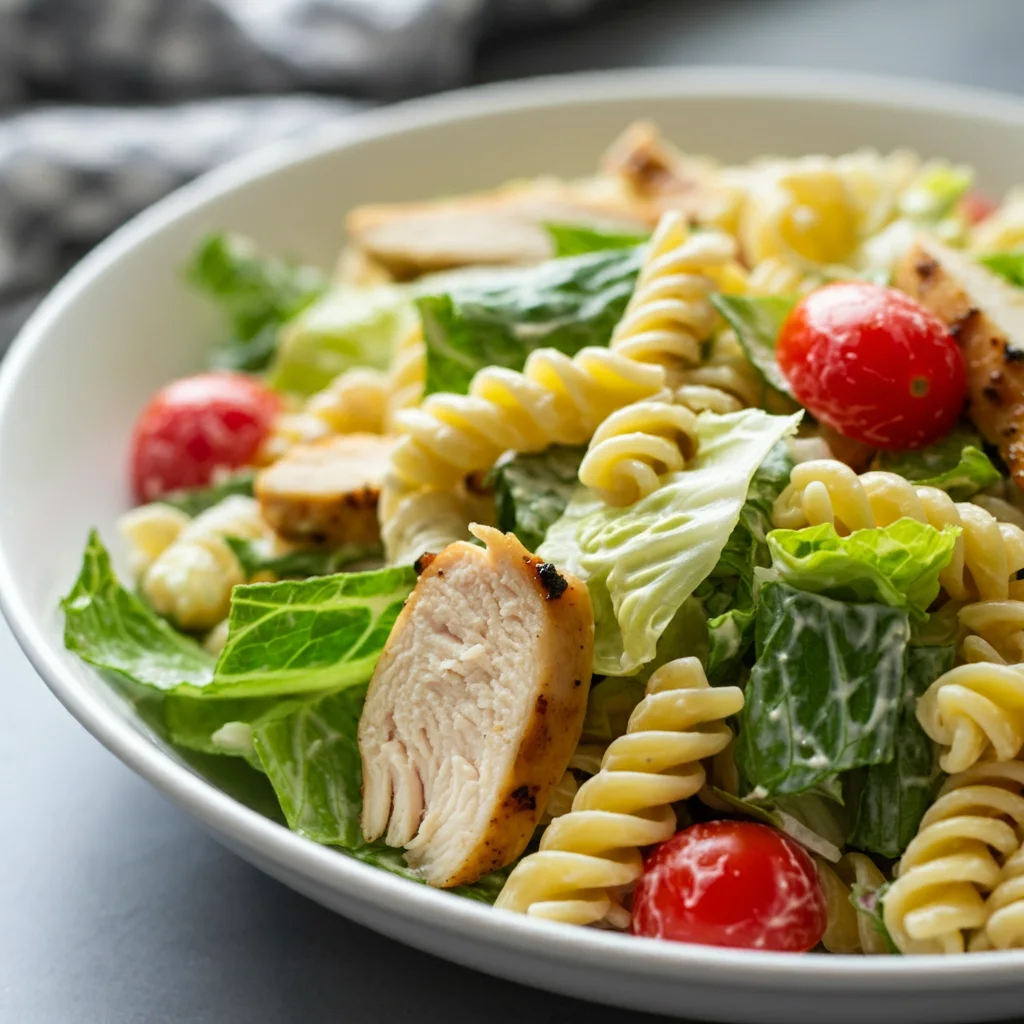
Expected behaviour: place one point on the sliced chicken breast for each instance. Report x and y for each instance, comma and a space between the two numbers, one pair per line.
326, 492
475, 708
986, 315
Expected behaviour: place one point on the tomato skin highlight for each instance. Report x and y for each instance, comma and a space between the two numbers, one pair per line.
731, 883
976, 207
873, 364
196, 426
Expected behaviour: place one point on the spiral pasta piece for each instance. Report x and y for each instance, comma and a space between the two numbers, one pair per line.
407, 375
987, 553
958, 855
149, 531
1004, 910
554, 400
589, 857
849, 931
635, 446
414, 523
996, 631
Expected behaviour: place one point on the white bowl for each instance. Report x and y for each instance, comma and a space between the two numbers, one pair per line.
123, 323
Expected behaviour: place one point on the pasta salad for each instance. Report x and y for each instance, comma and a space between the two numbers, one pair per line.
644, 551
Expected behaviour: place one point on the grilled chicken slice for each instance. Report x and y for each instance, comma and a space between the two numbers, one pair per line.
496, 228
986, 315
475, 708
326, 492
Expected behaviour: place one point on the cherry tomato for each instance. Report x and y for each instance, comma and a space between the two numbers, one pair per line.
873, 364
731, 883
195, 426
976, 207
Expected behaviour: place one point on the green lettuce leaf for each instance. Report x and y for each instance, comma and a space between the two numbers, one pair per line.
532, 491
897, 565
257, 293
347, 327
956, 464
301, 564
933, 195
1008, 265
825, 693
757, 321
643, 561
194, 500
894, 796
109, 627
578, 239
870, 903
300, 636
564, 304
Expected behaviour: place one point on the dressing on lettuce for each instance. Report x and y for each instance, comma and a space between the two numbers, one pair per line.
757, 321
643, 561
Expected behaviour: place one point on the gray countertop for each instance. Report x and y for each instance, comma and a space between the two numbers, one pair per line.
114, 906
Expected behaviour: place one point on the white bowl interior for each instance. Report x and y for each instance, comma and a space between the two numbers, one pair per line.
124, 322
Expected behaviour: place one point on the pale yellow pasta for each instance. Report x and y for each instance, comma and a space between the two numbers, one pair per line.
560, 801
635, 447
965, 839
148, 531
1004, 910
1003, 229
773, 276
849, 931
987, 553
407, 375
191, 580
995, 632
418, 522
725, 382
590, 857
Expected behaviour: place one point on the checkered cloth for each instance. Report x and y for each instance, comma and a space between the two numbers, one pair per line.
71, 173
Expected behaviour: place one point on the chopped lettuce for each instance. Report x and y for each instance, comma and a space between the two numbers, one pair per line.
113, 629
299, 564
258, 294
564, 304
577, 239
894, 796
532, 491
825, 693
896, 565
215, 726
300, 636
956, 464
1008, 265
757, 321
194, 500
347, 327
933, 195
643, 561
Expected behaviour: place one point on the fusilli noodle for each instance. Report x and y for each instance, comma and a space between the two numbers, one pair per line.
987, 554
589, 857
1004, 910
426, 521
996, 632
149, 531
849, 931
958, 854
407, 375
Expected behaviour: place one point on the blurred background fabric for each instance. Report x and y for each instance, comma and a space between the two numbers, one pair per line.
79, 155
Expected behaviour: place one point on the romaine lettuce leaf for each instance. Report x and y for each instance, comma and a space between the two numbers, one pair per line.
109, 627
532, 491
577, 239
825, 693
897, 565
894, 796
956, 464
643, 561
1008, 265
300, 636
347, 327
300, 564
757, 321
564, 304
258, 294
194, 500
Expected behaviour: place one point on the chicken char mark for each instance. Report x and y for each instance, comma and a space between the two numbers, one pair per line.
475, 708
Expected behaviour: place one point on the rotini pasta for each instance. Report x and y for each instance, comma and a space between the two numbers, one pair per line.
590, 856
849, 931
635, 446
987, 554
191, 580
1004, 910
417, 522
958, 854
149, 531
407, 375
996, 632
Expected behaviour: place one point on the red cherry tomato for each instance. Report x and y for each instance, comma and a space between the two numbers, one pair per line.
976, 207
196, 426
873, 364
731, 883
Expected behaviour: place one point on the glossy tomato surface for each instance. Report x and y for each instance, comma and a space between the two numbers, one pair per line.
731, 883
196, 426
873, 364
